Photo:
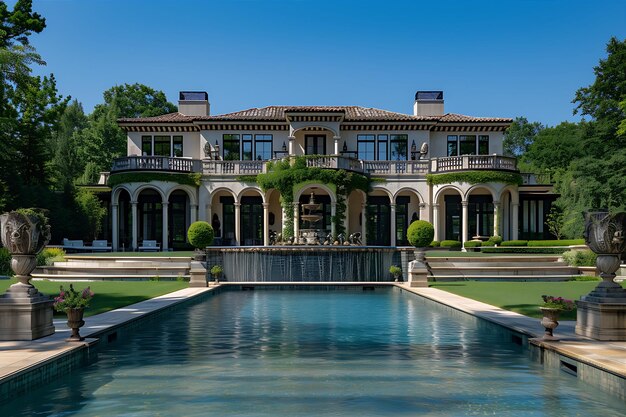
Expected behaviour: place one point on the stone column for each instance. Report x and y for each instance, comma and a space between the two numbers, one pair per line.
515, 222
333, 225
464, 221
266, 224
115, 227
336, 138
292, 143
296, 221
238, 223
134, 225
166, 221
496, 218
364, 224
193, 215
436, 221
209, 213
393, 224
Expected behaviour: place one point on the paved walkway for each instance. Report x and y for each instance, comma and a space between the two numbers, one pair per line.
609, 356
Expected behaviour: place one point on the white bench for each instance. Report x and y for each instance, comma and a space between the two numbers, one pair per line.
149, 246
74, 246
100, 246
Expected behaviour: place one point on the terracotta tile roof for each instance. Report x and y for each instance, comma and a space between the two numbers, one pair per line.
278, 113
164, 118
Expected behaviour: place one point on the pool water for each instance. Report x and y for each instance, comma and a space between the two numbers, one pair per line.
318, 353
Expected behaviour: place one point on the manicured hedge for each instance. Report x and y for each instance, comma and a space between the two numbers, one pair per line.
473, 244
495, 239
475, 177
49, 256
564, 242
488, 243
515, 243
580, 258
534, 250
435, 244
451, 244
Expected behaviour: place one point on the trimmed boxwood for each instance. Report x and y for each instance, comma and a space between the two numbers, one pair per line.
515, 243
200, 234
434, 244
489, 243
534, 250
420, 233
497, 240
564, 242
451, 244
473, 244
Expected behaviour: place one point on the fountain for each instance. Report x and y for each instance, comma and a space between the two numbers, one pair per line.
312, 234
602, 313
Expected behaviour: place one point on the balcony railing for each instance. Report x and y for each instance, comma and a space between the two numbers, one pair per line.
213, 167
469, 162
156, 163
396, 167
384, 168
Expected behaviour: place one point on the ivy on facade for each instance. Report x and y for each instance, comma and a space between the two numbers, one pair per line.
475, 177
182, 178
288, 176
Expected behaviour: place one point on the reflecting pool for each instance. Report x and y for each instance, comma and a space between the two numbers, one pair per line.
321, 353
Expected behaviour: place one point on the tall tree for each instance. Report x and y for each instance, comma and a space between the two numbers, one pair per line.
67, 163
554, 148
103, 139
17, 25
520, 135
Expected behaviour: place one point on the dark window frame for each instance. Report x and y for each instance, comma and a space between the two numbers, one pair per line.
231, 138
263, 138
366, 139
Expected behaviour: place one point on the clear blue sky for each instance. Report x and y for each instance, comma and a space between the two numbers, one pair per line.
491, 58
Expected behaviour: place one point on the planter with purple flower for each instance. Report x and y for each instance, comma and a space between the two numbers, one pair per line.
551, 309
73, 303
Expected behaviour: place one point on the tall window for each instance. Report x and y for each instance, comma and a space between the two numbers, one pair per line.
483, 145
383, 141
453, 145
177, 146
231, 148
146, 145
365, 147
398, 147
246, 148
467, 144
162, 146
262, 147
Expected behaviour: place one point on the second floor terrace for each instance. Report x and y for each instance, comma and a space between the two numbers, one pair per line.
391, 168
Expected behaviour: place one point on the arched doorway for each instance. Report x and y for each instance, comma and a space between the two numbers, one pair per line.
407, 210
150, 216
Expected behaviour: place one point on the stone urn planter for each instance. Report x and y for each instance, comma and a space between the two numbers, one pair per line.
550, 321
75, 322
25, 313
24, 235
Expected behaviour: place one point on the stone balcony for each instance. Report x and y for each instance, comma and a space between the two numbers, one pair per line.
413, 168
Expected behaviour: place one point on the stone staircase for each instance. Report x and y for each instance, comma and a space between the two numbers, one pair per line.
102, 268
500, 268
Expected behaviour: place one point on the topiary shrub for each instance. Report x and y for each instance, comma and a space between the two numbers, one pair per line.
451, 244
488, 243
515, 243
434, 244
200, 234
420, 233
497, 240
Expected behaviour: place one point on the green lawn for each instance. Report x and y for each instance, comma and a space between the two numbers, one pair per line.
457, 254
520, 297
170, 254
109, 294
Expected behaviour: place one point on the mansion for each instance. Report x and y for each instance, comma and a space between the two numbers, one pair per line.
448, 169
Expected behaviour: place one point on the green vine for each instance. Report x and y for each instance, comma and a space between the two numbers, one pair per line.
285, 176
182, 178
475, 177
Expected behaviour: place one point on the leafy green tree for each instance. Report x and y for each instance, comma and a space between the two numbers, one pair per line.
555, 147
92, 211
67, 163
19, 24
520, 136
103, 140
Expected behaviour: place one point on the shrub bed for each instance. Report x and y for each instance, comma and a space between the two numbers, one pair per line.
534, 250
514, 243
451, 244
49, 256
565, 242
580, 258
435, 244
473, 244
